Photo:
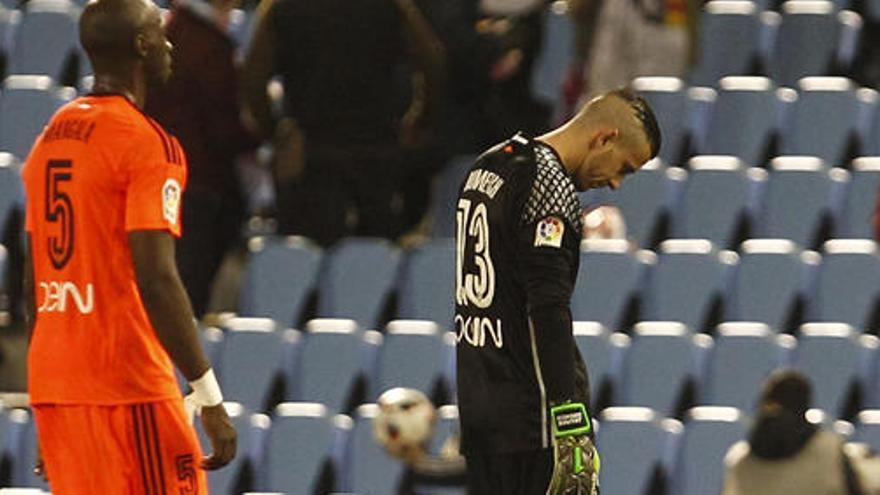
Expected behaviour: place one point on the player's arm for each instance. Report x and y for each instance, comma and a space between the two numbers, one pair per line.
168, 308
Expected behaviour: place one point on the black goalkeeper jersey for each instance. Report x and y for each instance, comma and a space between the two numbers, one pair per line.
517, 254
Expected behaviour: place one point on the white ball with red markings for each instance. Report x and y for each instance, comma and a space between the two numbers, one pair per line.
405, 420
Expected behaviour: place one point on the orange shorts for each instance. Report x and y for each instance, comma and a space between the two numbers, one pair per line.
138, 449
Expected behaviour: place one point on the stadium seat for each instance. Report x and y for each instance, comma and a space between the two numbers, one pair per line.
299, 446
446, 187
370, 470
637, 438
11, 189
26, 105
797, 198
46, 41
250, 359
824, 120
848, 283
593, 342
226, 480
668, 99
21, 445
729, 34
645, 200
708, 433
687, 283
868, 428
426, 288
656, 366
331, 355
609, 277
9, 19
279, 278
741, 358
555, 57
857, 216
413, 354
768, 283
832, 357
715, 201
358, 277
807, 41
743, 120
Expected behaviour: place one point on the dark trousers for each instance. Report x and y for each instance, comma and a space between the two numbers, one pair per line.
520, 473
343, 192
211, 228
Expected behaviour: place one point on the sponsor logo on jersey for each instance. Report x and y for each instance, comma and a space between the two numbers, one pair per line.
171, 200
55, 296
549, 232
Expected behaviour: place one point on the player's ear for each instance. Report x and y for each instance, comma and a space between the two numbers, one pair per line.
141, 45
604, 138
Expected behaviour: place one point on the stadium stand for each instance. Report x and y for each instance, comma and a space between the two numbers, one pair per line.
331, 364
22, 446
369, 469
708, 433
594, 343
233, 477
10, 186
427, 281
414, 354
847, 284
553, 60
729, 35
769, 283
857, 216
280, 278
26, 104
357, 280
668, 98
445, 195
46, 41
609, 278
868, 428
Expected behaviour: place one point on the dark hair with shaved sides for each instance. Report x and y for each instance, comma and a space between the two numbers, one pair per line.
645, 116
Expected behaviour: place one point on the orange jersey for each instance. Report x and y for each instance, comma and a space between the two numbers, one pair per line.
99, 170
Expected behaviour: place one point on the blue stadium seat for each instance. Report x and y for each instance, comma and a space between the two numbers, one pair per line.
687, 283
46, 39
743, 119
555, 57
608, 278
831, 356
715, 200
11, 189
868, 428
427, 285
9, 19
358, 277
848, 283
742, 357
668, 99
729, 34
370, 470
226, 480
300, 442
279, 278
824, 120
656, 366
637, 438
708, 433
857, 216
797, 199
21, 444
26, 105
447, 429
331, 355
768, 281
806, 43
250, 359
445, 195
593, 342
413, 354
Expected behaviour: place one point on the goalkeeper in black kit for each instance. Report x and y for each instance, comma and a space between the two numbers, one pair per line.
523, 390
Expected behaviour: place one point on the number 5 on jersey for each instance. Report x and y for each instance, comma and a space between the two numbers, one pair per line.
473, 232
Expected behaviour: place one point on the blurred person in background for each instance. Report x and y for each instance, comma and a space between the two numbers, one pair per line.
641, 38
340, 139
200, 105
786, 454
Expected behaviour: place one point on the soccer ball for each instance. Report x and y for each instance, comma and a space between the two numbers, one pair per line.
405, 421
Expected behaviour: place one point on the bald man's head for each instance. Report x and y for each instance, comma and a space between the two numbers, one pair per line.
123, 34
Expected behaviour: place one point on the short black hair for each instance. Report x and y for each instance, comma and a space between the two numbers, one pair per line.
788, 388
645, 115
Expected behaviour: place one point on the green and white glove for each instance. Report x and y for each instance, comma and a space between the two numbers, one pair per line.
575, 459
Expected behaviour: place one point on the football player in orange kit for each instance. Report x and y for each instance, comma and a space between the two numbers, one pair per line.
108, 313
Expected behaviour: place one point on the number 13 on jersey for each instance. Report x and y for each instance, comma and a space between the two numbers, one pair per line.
472, 239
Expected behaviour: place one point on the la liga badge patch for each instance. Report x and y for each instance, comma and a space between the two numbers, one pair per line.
549, 232
171, 201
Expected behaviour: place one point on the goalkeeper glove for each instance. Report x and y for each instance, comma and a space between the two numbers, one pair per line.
575, 459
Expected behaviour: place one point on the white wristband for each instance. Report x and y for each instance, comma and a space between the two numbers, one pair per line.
206, 391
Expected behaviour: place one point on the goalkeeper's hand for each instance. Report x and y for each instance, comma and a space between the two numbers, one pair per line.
575, 458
